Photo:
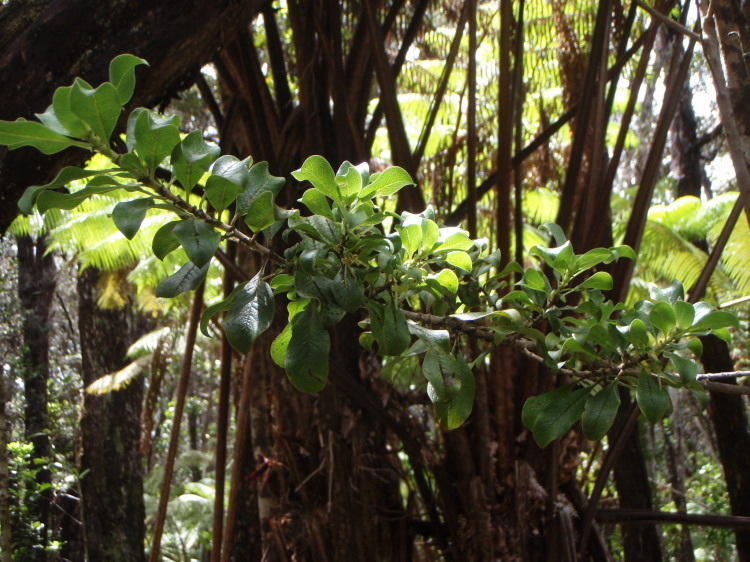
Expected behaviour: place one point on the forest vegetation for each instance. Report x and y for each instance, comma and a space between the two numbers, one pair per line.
393, 280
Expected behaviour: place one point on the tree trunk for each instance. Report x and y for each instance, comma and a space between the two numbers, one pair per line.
37, 280
728, 415
110, 460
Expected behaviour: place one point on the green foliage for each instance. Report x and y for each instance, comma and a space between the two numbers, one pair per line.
419, 289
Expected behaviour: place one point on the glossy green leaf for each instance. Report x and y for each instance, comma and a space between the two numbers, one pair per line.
386, 183
662, 317
122, 75
556, 418
653, 400
696, 346
306, 359
164, 241
15, 134
687, 368
317, 202
600, 280
447, 279
535, 279
684, 314
534, 405
453, 414
318, 172
99, 108
637, 333
261, 213
348, 292
64, 177
411, 238
217, 308
593, 258
556, 231
436, 367
187, 278
54, 200
461, 260
389, 327
250, 314
353, 184
68, 120
128, 215
199, 240
712, 319
191, 159
155, 137
227, 180
559, 258
456, 241
600, 411
670, 294
280, 345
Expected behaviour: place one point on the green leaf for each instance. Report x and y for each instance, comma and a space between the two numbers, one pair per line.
164, 241
411, 238
593, 258
250, 314
317, 202
318, 172
53, 200
306, 359
706, 319
687, 369
559, 258
68, 120
191, 159
280, 345
64, 176
556, 232
684, 314
696, 346
353, 184
187, 278
15, 134
389, 327
386, 183
653, 400
600, 411
217, 308
261, 213
556, 418
455, 241
122, 75
662, 317
535, 405
670, 294
436, 367
624, 251
348, 292
461, 260
98, 107
128, 215
199, 240
637, 333
447, 279
600, 280
155, 137
454, 413
227, 180
535, 279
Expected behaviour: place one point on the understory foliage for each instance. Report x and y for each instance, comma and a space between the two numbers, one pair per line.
417, 288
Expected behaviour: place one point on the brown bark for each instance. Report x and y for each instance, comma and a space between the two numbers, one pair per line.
37, 281
110, 460
727, 412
